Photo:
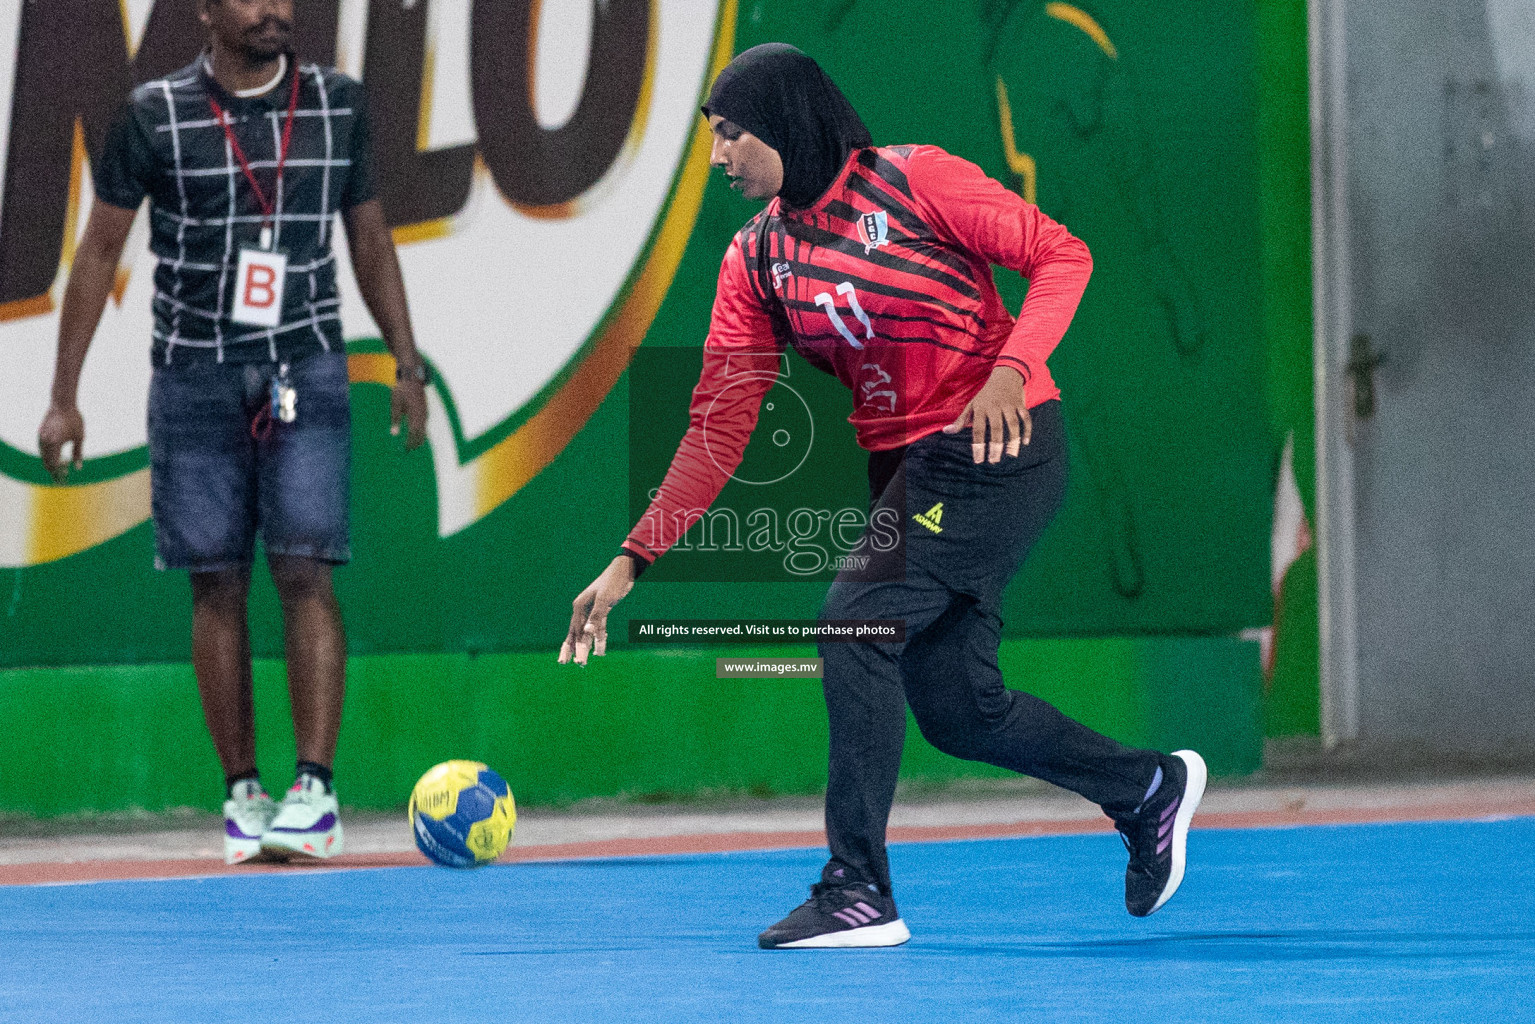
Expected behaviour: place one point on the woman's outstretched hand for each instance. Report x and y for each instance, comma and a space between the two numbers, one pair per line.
589, 611
998, 409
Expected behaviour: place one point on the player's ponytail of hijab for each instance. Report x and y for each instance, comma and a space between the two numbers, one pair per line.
783, 97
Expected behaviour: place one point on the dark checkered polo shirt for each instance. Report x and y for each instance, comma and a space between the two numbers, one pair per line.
167, 146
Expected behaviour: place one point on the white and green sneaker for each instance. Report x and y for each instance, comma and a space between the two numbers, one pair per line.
247, 814
308, 823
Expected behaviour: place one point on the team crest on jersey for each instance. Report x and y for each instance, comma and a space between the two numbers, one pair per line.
872, 229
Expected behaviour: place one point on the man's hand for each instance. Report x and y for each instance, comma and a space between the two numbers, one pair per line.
383, 290
85, 296
998, 408
62, 425
589, 611
408, 402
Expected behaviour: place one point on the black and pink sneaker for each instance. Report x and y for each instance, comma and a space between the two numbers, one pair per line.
1156, 833
838, 916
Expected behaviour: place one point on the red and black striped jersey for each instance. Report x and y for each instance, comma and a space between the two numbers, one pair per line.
886, 283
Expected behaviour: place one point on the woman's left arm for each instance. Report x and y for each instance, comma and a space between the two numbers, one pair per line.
977, 213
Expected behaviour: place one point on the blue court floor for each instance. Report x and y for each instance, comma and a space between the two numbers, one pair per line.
1364, 923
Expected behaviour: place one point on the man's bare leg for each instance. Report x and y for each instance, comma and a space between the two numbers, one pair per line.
308, 821
221, 659
315, 644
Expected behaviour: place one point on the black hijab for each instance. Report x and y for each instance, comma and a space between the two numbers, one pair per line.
784, 98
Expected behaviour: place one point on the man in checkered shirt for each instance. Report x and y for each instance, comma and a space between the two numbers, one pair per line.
245, 156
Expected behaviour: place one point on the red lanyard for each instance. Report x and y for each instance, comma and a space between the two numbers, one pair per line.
282, 158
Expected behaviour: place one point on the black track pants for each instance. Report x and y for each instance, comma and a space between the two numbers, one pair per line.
966, 529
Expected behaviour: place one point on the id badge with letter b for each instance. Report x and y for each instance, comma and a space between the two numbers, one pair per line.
258, 287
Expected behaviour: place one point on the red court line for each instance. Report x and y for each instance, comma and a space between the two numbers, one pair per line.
725, 842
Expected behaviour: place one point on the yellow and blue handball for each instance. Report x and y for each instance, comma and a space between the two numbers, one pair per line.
462, 814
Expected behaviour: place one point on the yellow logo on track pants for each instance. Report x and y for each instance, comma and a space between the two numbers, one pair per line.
931, 518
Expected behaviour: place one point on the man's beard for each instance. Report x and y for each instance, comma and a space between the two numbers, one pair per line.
259, 46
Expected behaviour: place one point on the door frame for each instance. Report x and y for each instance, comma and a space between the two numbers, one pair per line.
1333, 326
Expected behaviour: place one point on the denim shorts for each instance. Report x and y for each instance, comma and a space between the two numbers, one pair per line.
222, 469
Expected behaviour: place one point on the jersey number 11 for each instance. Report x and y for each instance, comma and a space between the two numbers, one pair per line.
826, 302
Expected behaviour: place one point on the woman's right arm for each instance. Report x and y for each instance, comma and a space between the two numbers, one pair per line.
741, 363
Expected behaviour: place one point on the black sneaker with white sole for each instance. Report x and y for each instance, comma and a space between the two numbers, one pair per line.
1156, 833
838, 916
